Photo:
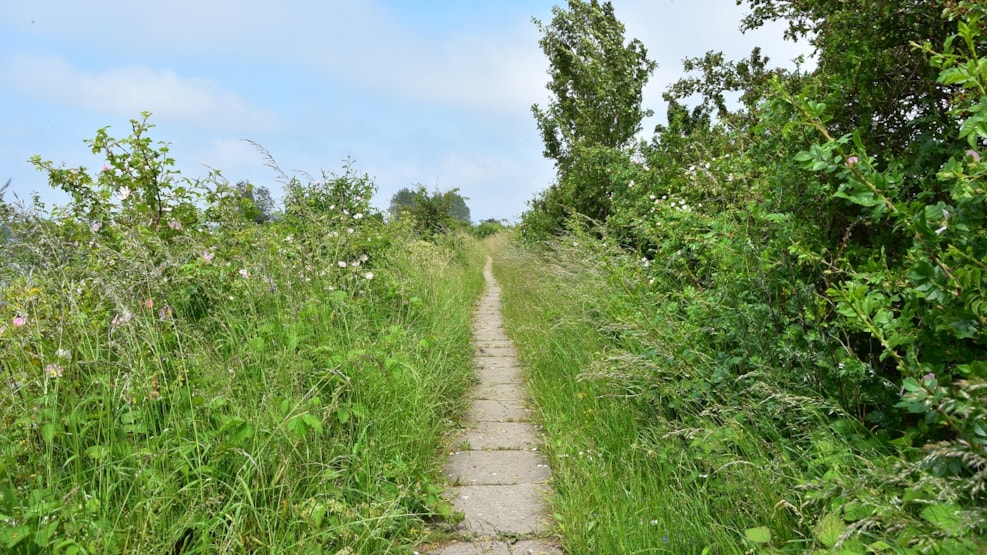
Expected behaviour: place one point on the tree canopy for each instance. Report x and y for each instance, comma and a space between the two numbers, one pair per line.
432, 212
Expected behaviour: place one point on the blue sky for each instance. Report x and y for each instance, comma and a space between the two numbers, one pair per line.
431, 92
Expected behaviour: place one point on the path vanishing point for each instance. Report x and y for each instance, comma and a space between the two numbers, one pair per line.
498, 476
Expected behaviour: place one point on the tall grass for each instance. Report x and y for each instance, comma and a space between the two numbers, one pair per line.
234, 388
648, 454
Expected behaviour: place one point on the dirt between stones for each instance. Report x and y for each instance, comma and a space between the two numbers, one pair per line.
498, 476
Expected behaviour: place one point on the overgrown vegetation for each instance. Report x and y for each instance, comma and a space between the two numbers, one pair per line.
431, 213
789, 289
177, 378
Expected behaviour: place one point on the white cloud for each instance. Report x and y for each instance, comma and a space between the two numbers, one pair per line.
129, 90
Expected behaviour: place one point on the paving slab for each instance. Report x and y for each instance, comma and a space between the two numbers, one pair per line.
499, 375
491, 410
497, 467
498, 352
500, 435
499, 510
510, 362
499, 392
492, 547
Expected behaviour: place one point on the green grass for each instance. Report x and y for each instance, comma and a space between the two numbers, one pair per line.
266, 400
645, 460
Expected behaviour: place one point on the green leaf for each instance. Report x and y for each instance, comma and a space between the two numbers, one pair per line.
11, 536
829, 529
98, 453
911, 384
945, 516
758, 535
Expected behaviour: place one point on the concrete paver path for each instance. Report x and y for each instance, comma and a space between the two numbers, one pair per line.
498, 476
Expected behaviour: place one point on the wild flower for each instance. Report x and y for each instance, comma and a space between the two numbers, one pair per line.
149, 303
350, 230
973, 154
289, 239
123, 193
18, 321
341, 263
207, 256
64, 354
244, 273
364, 258
95, 227
166, 313
852, 161
53, 371
357, 216
368, 275
120, 319
106, 168
175, 224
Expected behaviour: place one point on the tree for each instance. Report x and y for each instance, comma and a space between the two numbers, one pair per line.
596, 80
402, 200
433, 212
255, 202
458, 209
873, 79
596, 83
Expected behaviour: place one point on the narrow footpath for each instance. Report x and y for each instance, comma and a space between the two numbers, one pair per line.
498, 475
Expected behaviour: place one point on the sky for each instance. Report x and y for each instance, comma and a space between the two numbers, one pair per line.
428, 92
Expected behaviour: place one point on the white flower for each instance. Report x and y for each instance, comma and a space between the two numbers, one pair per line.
364, 258
341, 263
123, 193
357, 216
63, 353
368, 275
349, 230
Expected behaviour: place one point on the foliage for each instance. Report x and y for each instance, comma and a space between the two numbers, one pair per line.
176, 379
488, 227
596, 84
926, 306
257, 204
432, 213
813, 250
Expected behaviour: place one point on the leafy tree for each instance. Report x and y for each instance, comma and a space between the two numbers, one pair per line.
255, 202
458, 209
875, 82
596, 80
402, 200
433, 212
